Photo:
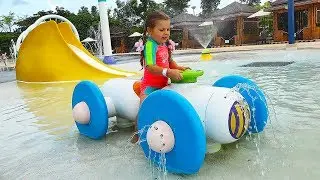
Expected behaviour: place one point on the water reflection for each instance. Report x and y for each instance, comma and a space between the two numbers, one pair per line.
38, 137
49, 104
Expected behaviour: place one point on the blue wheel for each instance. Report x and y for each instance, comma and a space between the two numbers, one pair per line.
254, 97
188, 152
90, 94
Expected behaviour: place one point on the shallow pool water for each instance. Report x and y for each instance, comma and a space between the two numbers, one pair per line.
39, 140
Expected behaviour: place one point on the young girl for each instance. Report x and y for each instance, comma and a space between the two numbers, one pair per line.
156, 57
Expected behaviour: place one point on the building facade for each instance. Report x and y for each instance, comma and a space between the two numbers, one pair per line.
307, 19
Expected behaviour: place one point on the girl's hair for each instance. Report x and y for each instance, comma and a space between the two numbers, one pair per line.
151, 23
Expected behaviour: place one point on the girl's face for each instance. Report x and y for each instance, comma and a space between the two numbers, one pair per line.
161, 31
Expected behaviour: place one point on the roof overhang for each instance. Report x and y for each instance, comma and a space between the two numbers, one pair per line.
184, 24
285, 5
230, 16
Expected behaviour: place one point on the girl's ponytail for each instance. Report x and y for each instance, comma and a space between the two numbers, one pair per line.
169, 50
144, 39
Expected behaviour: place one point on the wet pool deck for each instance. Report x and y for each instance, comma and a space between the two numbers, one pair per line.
284, 46
300, 45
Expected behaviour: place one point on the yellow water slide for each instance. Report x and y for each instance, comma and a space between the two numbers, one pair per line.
51, 52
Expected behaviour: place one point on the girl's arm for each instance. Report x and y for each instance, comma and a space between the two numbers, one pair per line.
154, 69
174, 74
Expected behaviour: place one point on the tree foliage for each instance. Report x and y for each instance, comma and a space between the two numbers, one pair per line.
1, 26
129, 16
267, 21
132, 13
175, 7
7, 22
251, 2
24, 22
5, 41
208, 6
6, 34
83, 20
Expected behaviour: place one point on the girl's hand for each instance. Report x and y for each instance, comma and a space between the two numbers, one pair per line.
174, 74
182, 68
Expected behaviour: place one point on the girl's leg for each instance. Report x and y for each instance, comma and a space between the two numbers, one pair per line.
135, 137
143, 95
142, 98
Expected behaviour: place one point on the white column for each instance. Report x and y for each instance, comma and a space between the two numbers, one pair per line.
105, 30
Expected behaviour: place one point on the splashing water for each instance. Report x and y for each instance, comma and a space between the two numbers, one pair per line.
158, 170
204, 33
255, 138
13, 50
96, 34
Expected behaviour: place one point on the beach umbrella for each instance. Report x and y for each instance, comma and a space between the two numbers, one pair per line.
88, 39
260, 13
207, 23
135, 34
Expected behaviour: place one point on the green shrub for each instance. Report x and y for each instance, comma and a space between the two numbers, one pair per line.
5, 41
